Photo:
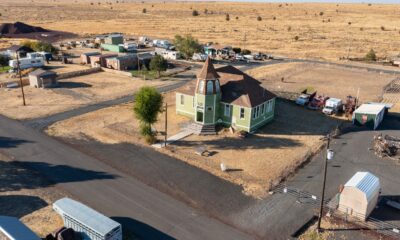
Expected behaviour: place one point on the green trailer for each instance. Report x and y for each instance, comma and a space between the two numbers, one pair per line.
370, 115
113, 48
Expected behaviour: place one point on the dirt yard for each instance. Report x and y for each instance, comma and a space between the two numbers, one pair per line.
324, 30
331, 80
27, 196
71, 93
263, 158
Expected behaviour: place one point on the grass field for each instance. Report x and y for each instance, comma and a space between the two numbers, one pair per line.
324, 30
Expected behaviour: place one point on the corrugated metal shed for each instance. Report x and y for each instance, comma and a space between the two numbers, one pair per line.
370, 109
14, 229
83, 214
365, 182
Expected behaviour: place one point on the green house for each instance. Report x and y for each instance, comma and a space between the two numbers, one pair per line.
225, 96
370, 115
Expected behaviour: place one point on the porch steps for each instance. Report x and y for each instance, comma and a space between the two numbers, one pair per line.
200, 129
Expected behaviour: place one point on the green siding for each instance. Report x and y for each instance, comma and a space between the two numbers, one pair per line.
112, 48
370, 119
187, 108
264, 118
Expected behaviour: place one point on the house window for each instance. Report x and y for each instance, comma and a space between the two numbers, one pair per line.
227, 110
182, 99
210, 87
217, 87
201, 87
209, 109
241, 113
254, 113
258, 111
262, 109
269, 105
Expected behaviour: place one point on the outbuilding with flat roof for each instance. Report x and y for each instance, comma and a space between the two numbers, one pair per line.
369, 114
85, 57
13, 229
43, 79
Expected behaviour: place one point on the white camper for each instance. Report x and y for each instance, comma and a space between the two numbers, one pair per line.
25, 63
332, 106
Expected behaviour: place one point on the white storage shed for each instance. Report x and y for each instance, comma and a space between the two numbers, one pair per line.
360, 195
91, 224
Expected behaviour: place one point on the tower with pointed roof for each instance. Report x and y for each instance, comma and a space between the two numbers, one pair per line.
207, 95
225, 96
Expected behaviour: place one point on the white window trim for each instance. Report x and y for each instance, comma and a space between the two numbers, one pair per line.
227, 106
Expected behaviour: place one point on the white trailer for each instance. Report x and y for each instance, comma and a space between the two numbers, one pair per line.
25, 63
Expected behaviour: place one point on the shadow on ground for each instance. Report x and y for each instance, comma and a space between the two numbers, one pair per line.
6, 142
20, 205
134, 229
73, 85
15, 176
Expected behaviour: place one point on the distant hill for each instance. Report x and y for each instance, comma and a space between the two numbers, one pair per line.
19, 28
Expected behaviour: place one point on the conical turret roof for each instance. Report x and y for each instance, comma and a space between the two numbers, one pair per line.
208, 71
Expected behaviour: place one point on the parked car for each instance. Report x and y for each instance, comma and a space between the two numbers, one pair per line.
317, 103
240, 57
199, 57
332, 106
305, 98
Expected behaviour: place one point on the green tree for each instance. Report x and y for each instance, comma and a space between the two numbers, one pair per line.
158, 63
40, 46
187, 45
147, 106
371, 55
4, 61
195, 13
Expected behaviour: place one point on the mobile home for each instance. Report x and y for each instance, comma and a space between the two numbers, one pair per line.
25, 63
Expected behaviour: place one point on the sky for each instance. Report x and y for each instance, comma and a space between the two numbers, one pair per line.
323, 1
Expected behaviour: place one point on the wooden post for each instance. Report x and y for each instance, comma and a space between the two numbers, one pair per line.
20, 80
323, 186
166, 123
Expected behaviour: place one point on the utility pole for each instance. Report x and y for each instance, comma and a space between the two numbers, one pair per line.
323, 184
20, 80
244, 41
166, 123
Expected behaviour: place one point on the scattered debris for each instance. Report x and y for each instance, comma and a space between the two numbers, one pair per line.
386, 146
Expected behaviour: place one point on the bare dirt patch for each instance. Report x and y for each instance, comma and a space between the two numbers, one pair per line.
26, 195
72, 93
324, 30
331, 80
255, 162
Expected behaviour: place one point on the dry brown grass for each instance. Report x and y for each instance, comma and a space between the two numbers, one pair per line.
20, 188
268, 156
328, 36
72, 93
332, 81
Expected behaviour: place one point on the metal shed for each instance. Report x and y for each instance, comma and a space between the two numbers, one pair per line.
360, 195
14, 229
42, 79
369, 114
91, 224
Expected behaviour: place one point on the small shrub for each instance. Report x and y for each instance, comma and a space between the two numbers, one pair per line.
144, 10
361, 29
246, 52
369, 4
227, 18
382, 28
371, 55
195, 13
296, 38
259, 18
289, 28
150, 139
349, 23
237, 18
329, 20
205, 11
237, 50
321, 13
274, 18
